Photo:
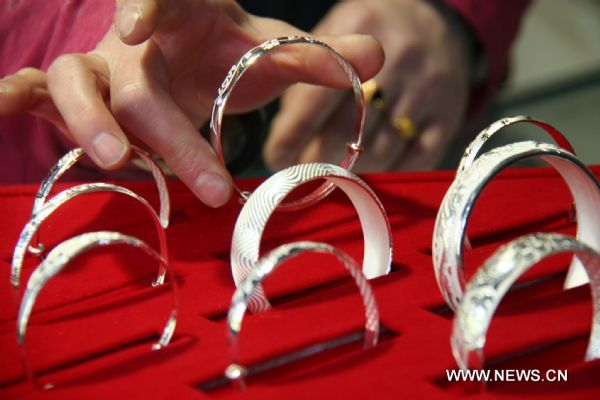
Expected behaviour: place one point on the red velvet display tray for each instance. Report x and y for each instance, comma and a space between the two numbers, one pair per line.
93, 325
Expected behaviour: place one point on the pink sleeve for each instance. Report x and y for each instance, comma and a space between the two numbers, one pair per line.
495, 24
33, 32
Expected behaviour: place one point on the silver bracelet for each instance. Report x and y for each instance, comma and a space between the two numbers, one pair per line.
475, 146
265, 266
72, 157
59, 257
262, 203
452, 217
354, 148
493, 280
31, 228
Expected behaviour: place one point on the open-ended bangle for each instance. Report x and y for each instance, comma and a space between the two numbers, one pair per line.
493, 280
72, 157
265, 266
31, 228
262, 203
452, 217
482, 137
353, 148
59, 257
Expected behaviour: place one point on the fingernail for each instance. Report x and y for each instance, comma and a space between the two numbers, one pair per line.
108, 149
127, 19
212, 189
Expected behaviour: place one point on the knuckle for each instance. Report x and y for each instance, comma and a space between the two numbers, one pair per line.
185, 160
29, 71
67, 64
129, 101
440, 83
358, 16
437, 78
410, 55
288, 130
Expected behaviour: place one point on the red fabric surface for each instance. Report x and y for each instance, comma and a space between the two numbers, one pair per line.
93, 325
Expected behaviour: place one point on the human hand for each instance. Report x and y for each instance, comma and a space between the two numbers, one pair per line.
424, 78
154, 75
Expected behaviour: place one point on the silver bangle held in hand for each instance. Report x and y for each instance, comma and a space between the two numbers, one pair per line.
266, 266
452, 217
60, 256
262, 203
354, 147
493, 280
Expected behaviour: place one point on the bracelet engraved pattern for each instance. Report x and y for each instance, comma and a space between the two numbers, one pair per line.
354, 147
452, 217
72, 157
262, 203
31, 228
266, 266
475, 146
493, 280
59, 257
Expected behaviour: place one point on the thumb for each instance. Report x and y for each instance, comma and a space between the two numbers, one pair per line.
136, 20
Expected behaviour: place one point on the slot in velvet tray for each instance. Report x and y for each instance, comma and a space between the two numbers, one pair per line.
93, 325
